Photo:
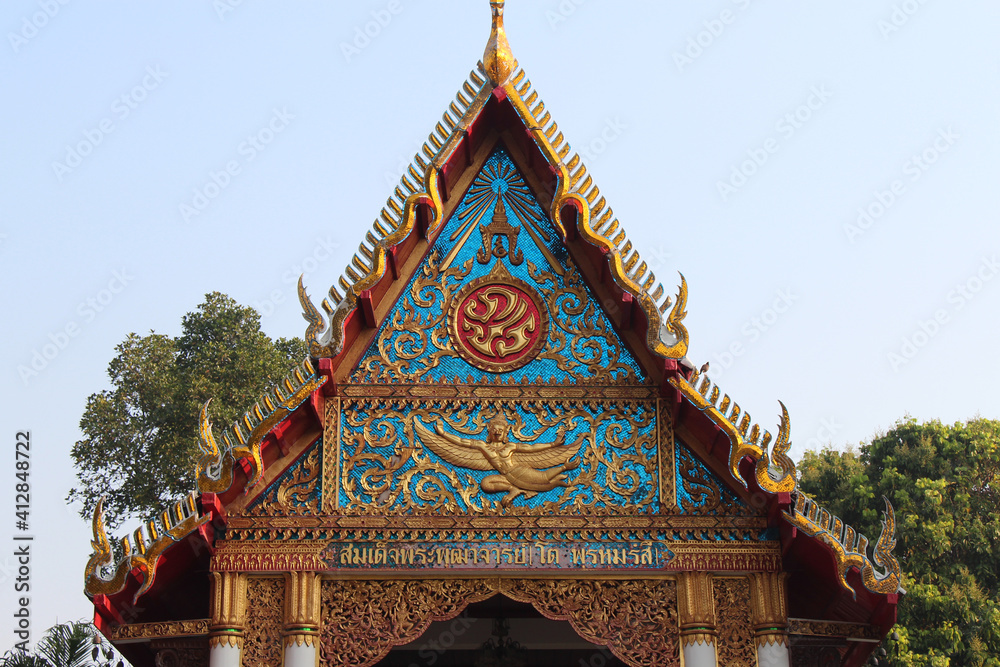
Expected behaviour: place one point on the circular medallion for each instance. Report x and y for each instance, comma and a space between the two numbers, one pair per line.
497, 322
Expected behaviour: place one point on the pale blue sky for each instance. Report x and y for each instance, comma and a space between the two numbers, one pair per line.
886, 80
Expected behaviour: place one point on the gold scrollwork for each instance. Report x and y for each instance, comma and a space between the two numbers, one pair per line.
736, 647
298, 493
704, 493
409, 479
636, 619
363, 620
262, 641
160, 630
571, 331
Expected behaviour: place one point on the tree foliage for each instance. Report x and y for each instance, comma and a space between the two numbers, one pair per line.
74, 644
140, 437
944, 483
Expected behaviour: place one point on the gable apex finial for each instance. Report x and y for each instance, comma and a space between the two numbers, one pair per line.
498, 61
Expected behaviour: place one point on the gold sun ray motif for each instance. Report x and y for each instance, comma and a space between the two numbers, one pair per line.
525, 468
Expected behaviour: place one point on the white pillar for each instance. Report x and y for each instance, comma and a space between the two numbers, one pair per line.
773, 655
224, 655
700, 654
301, 655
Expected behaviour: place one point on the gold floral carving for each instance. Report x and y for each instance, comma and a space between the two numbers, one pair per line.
696, 608
736, 647
726, 557
427, 338
229, 600
363, 620
665, 451
159, 630
636, 619
331, 459
706, 494
767, 590
268, 556
856, 631
302, 607
499, 388
297, 493
382, 483
262, 645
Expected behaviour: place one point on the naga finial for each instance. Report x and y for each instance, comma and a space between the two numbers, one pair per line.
498, 61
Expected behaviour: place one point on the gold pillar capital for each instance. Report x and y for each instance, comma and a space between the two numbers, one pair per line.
302, 608
770, 618
229, 602
696, 608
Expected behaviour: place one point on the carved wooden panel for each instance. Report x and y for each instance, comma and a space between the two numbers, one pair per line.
262, 645
734, 623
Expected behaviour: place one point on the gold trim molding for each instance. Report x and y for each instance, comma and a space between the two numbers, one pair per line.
161, 630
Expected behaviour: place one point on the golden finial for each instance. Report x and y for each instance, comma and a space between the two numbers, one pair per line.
498, 60
500, 211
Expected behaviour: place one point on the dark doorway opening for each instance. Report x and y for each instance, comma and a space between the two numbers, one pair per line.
475, 639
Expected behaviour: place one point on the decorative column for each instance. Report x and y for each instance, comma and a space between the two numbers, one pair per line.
770, 619
696, 611
225, 633
302, 616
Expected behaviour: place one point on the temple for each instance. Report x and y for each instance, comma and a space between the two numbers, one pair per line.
497, 453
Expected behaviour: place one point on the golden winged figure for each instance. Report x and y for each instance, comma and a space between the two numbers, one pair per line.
524, 468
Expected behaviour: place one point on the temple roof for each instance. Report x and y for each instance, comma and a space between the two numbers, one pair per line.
419, 205
498, 107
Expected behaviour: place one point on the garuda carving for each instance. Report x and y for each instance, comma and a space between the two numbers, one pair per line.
525, 468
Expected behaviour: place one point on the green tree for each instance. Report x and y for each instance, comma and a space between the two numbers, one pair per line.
944, 483
67, 645
140, 437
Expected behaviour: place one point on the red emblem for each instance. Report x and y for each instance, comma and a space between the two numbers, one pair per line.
497, 322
